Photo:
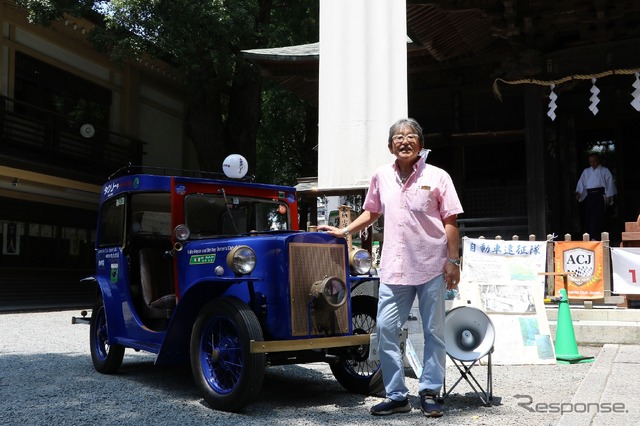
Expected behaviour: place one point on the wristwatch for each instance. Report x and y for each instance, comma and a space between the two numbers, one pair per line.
345, 232
454, 261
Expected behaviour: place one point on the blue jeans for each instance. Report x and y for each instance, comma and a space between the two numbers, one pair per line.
394, 306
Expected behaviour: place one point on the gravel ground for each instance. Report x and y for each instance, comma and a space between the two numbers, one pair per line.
47, 378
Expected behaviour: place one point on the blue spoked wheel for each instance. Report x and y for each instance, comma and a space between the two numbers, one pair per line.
354, 371
106, 357
228, 375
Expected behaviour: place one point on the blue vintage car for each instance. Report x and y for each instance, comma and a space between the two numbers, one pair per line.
214, 272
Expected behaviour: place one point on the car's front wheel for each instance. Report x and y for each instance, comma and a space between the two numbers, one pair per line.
225, 370
107, 357
354, 371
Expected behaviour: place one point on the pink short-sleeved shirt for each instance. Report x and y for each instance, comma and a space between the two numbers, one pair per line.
415, 244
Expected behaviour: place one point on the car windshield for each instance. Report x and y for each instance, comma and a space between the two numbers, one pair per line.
209, 215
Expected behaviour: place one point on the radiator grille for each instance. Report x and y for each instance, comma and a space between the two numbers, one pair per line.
309, 263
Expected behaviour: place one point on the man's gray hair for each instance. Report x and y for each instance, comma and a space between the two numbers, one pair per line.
406, 122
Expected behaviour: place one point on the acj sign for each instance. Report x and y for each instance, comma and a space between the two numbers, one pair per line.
580, 263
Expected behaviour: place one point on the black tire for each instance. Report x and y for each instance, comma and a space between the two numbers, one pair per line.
106, 357
227, 374
356, 373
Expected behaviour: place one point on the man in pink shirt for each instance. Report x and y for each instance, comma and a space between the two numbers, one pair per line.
420, 258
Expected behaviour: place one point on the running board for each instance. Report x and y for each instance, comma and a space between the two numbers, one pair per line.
307, 344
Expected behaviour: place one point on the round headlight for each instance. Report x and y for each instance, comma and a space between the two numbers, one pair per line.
182, 232
360, 261
331, 292
241, 259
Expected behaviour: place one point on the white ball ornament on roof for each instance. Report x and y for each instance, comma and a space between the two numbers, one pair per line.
235, 166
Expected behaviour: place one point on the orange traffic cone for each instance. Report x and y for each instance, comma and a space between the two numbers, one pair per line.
566, 346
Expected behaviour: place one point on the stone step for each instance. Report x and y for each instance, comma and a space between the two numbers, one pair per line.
599, 326
579, 313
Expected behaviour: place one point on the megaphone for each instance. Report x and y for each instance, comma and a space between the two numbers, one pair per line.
468, 333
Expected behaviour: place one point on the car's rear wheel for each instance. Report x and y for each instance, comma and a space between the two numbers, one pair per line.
107, 357
225, 370
354, 371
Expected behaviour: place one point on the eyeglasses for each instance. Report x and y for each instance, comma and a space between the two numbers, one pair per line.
401, 138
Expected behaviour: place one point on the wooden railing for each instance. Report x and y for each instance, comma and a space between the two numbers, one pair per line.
606, 276
37, 135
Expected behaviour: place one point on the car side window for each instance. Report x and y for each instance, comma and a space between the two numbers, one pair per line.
112, 220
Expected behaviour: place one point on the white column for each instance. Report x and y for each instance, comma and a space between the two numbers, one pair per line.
362, 87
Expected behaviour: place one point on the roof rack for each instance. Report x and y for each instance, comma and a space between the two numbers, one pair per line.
131, 169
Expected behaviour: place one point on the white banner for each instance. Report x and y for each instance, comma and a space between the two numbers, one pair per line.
626, 270
362, 88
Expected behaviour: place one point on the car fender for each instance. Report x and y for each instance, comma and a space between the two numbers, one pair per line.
175, 347
113, 311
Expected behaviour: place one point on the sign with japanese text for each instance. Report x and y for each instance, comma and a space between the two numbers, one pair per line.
626, 270
505, 261
11, 233
503, 279
583, 261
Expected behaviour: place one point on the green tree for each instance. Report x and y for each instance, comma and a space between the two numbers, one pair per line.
203, 40
288, 137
